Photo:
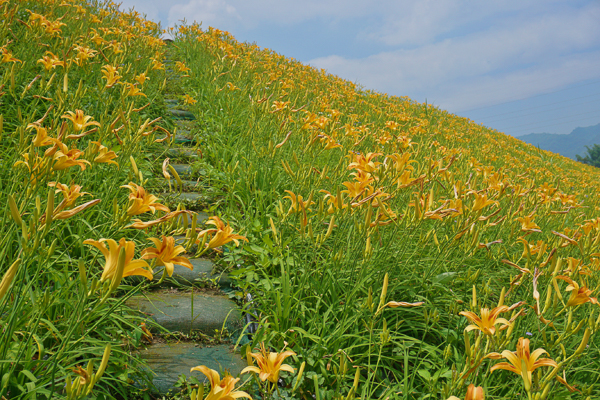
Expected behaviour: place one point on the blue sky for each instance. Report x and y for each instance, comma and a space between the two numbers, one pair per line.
516, 66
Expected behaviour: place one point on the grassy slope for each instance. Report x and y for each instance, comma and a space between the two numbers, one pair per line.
277, 130
316, 265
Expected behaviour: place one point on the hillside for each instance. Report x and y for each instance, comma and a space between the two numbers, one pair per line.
567, 145
389, 249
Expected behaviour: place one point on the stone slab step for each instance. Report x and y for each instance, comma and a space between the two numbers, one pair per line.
168, 361
183, 153
189, 197
184, 170
184, 139
184, 125
181, 114
191, 185
203, 270
179, 312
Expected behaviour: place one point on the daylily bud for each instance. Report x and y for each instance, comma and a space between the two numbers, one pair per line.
502, 294
383, 290
368, 248
467, 344
330, 228
116, 280
103, 364
548, 299
14, 210
474, 301
584, 341
8, 277
38, 208
176, 175
69, 387
299, 376
52, 248
134, 167
356, 378
49, 209
66, 82
579, 326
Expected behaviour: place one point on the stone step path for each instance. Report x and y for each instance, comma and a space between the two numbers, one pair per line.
187, 311
167, 360
190, 307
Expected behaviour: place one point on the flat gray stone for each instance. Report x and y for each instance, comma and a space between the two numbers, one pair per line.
184, 170
189, 197
182, 153
190, 185
177, 312
203, 271
183, 139
181, 114
169, 360
184, 125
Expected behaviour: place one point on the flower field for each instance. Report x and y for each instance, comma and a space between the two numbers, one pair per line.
393, 249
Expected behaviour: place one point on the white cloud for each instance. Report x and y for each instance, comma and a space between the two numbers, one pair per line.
229, 14
506, 61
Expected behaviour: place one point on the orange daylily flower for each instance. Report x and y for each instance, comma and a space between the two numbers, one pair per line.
269, 364
187, 99
481, 201
79, 120
157, 64
141, 78
487, 322
70, 193
104, 155
141, 201
36, 166
41, 136
473, 393
83, 54
180, 66
221, 235
579, 294
364, 163
221, 389
111, 74
527, 224
298, 203
522, 362
65, 158
132, 90
166, 253
138, 224
6, 56
50, 61
111, 254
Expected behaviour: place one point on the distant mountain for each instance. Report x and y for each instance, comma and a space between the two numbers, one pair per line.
566, 145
